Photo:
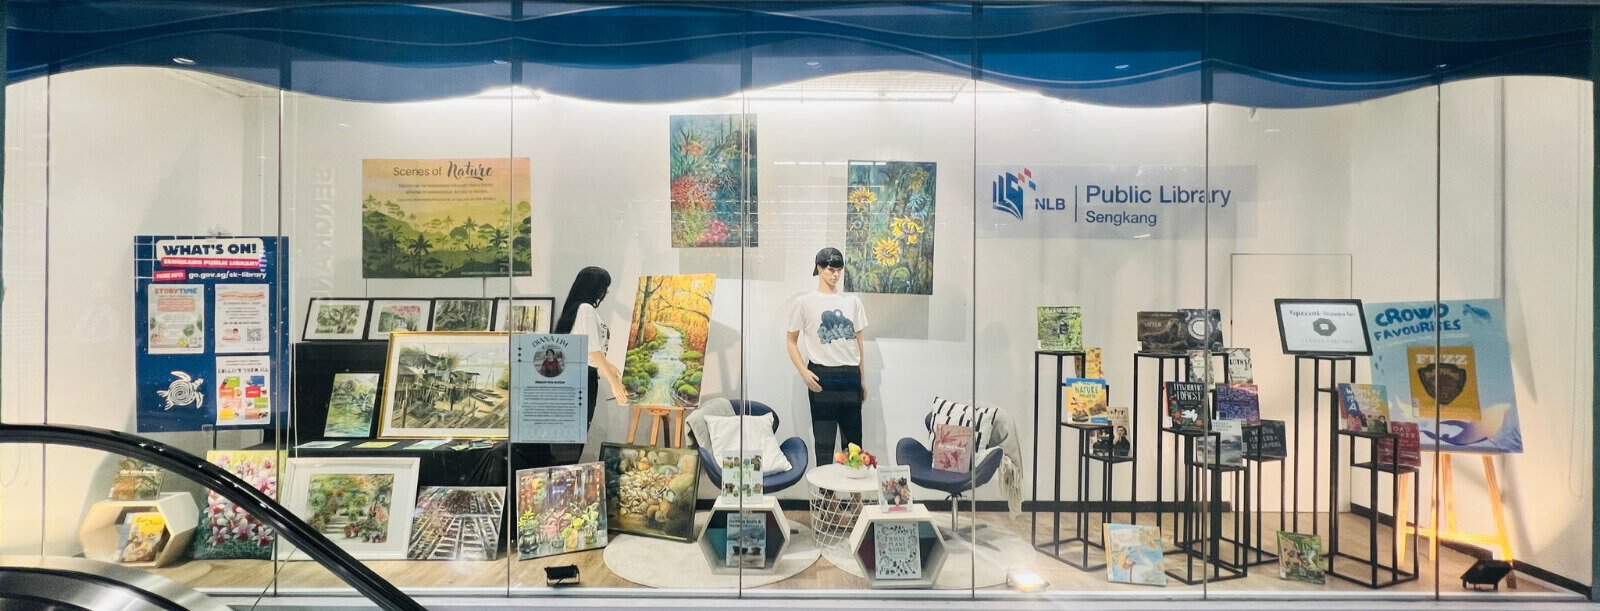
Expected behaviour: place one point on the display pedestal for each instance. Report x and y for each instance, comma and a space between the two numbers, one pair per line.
1256, 463
1324, 391
1374, 469
1189, 540
1054, 424
100, 540
1169, 368
714, 536
1085, 471
931, 550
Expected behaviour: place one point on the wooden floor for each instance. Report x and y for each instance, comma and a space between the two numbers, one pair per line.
492, 578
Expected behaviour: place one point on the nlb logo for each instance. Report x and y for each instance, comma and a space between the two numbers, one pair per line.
1008, 194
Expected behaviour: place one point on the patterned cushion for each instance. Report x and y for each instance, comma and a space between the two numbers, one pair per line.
980, 419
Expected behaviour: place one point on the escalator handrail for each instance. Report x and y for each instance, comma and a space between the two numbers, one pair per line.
298, 533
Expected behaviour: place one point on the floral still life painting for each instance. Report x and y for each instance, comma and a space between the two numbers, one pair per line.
560, 510
227, 531
889, 227
713, 165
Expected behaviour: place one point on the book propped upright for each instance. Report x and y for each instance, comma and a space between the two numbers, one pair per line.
1238, 402
1085, 400
1162, 332
1266, 441
1186, 406
1366, 408
1060, 328
1409, 439
1240, 368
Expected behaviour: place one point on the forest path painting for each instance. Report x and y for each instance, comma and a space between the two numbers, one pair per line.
667, 336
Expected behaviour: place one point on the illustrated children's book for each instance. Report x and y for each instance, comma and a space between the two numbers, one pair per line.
1133, 554
1094, 363
1061, 328
1085, 400
1366, 407
897, 550
136, 481
143, 538
1300, 558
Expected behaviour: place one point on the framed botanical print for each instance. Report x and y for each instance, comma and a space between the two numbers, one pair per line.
363, 505
438, 385
462, 314
335, 319
391, 315
524, 314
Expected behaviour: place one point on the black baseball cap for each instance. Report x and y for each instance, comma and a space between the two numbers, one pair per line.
828, 257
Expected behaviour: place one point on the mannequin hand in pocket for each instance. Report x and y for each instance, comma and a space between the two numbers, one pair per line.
813, 383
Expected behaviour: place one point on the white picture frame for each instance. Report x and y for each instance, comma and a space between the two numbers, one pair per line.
302, 472
316, 331
375, 322
544, 306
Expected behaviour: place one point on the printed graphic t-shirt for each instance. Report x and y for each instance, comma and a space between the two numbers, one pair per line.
587, 323
828, 324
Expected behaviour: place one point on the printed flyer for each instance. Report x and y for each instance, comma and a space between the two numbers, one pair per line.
1470, 388
244, 392
549, 388
242, 319
177, 319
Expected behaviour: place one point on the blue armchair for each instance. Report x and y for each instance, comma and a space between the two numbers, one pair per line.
794, 448
912, 453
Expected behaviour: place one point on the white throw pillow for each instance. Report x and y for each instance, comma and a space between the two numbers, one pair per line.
758, 437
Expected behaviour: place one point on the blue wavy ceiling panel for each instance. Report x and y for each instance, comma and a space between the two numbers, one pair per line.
1128, 55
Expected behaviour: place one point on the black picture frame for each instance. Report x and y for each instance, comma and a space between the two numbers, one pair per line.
1361, 314
311, 308
433, 313
314, 365
506, 302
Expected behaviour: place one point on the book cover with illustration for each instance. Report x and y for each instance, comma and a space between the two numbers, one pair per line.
1162, 333
1085, 400
1225, 444
1408, 438
1094, 362
1366, 407
952, 448
136, 481
1202, 329
1300, 558
1133, 554
1448, 390
143, 538
1240, 369
1201, 369
1238, 402
1061, 328
1186, 405
1266, 440
1115, 439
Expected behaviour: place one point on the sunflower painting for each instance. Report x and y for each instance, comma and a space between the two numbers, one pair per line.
889, 238
713, 160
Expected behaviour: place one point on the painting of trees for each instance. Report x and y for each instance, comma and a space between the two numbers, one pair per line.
667, 335
431, 224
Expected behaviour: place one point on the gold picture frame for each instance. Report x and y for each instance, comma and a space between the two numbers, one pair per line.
459, 381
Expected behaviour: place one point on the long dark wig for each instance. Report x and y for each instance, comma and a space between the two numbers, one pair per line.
589, 287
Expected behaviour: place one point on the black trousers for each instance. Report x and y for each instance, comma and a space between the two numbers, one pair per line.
837, 409
528, 455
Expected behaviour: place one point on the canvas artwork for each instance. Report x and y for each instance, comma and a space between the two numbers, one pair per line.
1240, 368
1238, 402
462, 315
457, 523
398, 315
1447, 390
713, 180
1202, 329
143, 536
650, 491
746, 545
897, 550
1085, 400
952, 448
524, 315
1407, 439
446, 385
1224, 445
1300, 558
560, 510
894, 488
1061, 328
336, 319
362, 504
889, 223
1366, 407
1162, 333
136, 481
667, 335
446, 218
1133, 555
350, 406
225, 531
741, 476
1186, 408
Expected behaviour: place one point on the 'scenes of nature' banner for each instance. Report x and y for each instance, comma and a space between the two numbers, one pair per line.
446, 218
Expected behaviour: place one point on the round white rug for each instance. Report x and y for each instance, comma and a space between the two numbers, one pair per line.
995, 554
659, 563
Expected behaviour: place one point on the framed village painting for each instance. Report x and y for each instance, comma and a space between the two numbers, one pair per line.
442, 385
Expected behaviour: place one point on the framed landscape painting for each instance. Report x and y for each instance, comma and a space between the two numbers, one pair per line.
334, 319
650, 491
439, 385
524, 314
392, 315
362, 504
462, 314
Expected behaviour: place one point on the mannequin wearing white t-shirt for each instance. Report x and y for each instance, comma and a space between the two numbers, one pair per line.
828, 324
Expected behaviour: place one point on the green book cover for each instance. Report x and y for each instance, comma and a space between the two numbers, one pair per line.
1061, 328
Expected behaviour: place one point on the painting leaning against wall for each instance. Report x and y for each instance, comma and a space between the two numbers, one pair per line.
889, 227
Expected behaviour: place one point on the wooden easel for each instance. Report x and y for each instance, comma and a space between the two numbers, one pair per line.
1501, 538
658, 416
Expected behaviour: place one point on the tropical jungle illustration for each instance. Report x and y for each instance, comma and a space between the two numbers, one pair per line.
350, 406
560, 509
227, 531
346, 507
338, 318
889, 228
441, 384
667, 336
709, 172
445, 218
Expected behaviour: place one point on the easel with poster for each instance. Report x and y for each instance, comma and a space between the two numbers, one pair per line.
1447, 366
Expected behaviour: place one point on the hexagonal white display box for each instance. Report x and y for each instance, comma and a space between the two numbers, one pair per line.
919, 542
98, 533
768, 546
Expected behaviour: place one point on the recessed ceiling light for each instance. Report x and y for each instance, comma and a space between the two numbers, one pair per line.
183, 61
1121, 66
813, 64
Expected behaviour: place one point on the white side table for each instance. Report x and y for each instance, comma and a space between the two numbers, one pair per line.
836, 502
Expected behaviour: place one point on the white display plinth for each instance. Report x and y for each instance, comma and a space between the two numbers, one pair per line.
713, 537
932, 556
98, 533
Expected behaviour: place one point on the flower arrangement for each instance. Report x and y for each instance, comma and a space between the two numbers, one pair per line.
856, 461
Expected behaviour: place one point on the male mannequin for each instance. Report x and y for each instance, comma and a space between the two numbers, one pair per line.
829, 324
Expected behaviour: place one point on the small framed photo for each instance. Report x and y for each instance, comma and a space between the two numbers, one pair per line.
524, 314
335, 319
390, 315
462, 314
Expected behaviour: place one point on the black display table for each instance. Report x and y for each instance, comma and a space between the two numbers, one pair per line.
1178, 373
1375, 470
1189, 540
1059, 357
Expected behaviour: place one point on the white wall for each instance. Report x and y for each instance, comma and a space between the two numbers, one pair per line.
1353, 184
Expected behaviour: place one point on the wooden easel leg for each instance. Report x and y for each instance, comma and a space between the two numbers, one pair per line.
677, 425
1502, 535
1440, 463
655, 428
1448, 474
633, 427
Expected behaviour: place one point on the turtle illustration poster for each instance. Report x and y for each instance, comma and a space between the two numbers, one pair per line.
1461, 395
446, 218
210, 343
667, 336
